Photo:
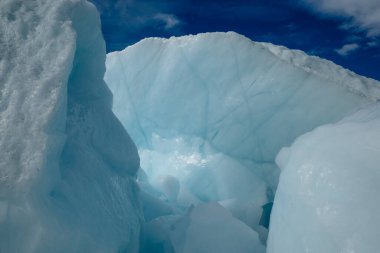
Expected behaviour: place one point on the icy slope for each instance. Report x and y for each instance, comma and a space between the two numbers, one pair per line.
328, 196
218, 107
67, 165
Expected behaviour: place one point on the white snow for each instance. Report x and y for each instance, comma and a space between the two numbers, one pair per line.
328, 196
67, 166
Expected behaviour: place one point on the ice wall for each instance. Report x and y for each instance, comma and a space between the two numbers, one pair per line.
328, 196
67, 166
219, 105
209, 114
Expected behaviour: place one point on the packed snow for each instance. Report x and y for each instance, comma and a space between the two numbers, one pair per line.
210, 112
67, 166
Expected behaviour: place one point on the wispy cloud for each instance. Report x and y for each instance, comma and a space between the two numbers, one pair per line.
374, 43
361, 14
241, 10
136, 15
169, 21
124, 22
347, 49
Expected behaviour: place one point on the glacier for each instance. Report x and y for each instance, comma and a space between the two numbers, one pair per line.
222, 125
67, 166
210, 113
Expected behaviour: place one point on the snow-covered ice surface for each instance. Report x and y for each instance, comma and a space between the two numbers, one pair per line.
67, 166
328, 196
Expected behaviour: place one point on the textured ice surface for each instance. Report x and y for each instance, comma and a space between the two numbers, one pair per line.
328, 196
202, 177
207, 228
213, 110
66, 164
209, 114
227, 90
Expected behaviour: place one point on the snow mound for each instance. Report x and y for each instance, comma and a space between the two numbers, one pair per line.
67, 166
327, 199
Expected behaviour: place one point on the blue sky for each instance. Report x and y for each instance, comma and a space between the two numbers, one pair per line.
344, 31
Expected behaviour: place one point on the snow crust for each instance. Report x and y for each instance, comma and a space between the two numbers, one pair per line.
67, 166
327, 199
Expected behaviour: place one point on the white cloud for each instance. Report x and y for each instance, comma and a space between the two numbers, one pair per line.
169, 21
353, 38
364, 14
347, 49
136, 15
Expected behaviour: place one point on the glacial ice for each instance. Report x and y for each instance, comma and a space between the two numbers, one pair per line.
213, 110
328, 196
214, 116
209, 228
206, 228
67, 166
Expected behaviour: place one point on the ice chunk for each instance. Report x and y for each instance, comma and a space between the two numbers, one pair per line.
248, 212
170, 187
213, 111
153, 207
328, 196
228, 91
210, 228
67, 166
206, 228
